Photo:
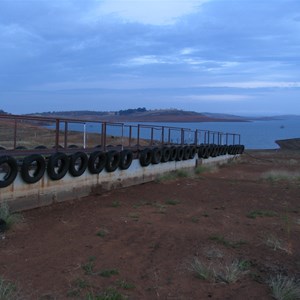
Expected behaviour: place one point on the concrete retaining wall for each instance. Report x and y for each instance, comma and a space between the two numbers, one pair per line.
22, 196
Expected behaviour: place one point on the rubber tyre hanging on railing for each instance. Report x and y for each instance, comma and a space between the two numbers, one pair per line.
173, 153
12, 172
157, 155
166, 154
193, 151
180, 153
38, 162
145, 157
112, 160
97, 161
58, 165
125, 159
186, 152
78, 163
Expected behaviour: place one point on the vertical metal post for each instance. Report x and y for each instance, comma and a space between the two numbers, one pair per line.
122, 140
162, 135
208, 137
103, 136
84, 135
130, 135
56, 133
66, 135
182, 136
138, 136
169, 137
15, 134
151, 142
196, 138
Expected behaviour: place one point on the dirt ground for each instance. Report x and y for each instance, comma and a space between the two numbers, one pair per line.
141, 242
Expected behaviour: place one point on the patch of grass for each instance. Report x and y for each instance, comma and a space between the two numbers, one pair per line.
213, 253
8, 290
230, 273
77, 286
274, 242
284, 288
161, 207
195, 219
172, 202
261, 213
229, 244
204, 169
8, 218
115, 204
134, 216
109, 294
201, 270
166, 177
279, 175
108, 273
102, 233
89, 266
181, 173
125, 285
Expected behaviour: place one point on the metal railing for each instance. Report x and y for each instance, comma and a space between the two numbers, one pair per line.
20, 135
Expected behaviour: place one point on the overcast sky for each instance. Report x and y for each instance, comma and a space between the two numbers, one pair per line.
226, 56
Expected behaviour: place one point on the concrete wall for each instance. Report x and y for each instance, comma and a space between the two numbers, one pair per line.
20, 195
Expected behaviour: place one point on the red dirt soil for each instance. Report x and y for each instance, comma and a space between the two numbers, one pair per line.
145, 237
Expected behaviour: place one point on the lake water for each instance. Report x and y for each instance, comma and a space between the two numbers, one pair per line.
254, 135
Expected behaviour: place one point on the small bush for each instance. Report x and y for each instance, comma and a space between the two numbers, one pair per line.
229, 244
8, 290
8, 219
109, 273
278, 175
200, 270
284, 288
261, 213
109, 294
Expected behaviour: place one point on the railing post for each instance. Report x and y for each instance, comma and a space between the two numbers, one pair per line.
15, 134
162, 135
56, 133
66, 135
138, 136
103, 137
182, 136
130, 135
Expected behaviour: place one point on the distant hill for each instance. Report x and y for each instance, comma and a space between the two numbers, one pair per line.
143, 115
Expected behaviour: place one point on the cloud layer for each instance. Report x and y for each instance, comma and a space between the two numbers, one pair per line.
117, 54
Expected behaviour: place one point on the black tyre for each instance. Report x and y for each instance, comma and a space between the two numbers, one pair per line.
166, 154
173, 153
180, 153
8, 166
126, 159
72, 146
206, 152
2, 148
193, 151
33, 168
145, 157
97, 161
112, 161
157, 155
21, 148
186, 152
58, 165
78, 163
40, 147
